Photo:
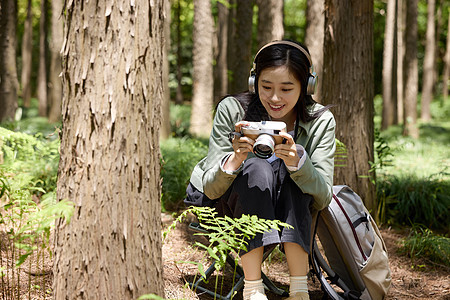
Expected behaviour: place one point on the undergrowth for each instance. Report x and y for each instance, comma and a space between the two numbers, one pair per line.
423, 242
28, 210
179, 156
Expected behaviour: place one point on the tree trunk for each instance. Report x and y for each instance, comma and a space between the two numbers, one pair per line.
411, 71
428, 63
109, 167
388, 115
165, 124
446, 72
438, 54
203, 86
270, 21
179, 98
348, 63
221, 70
42, 72
400, 59
27, 49
8, 71
55, 84
315, 19
240, 43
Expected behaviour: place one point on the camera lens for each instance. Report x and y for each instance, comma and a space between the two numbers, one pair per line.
264, 146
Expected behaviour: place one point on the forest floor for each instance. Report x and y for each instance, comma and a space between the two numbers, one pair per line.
410, 280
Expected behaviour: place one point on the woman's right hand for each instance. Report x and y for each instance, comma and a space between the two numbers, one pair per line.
241, 146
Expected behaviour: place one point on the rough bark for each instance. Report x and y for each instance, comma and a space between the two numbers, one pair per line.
54, 80
348, 63
270, 21
315, 19
27, 49
9, 84
42, 72
400, 59
203, 86
389, 107
446, 72
165, 124
221, 70
109, 166
411, 71
240, 45
428, 63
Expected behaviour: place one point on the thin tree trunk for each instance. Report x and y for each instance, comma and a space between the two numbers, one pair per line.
400, 59
270, 21
165, 125
349, 39
203, 86
429, 63
241, 43
109, 166
42, 72
55, 83
446, 72
179, 98
221, 70
9, 84
438, 55
411, 71
388, 115
27, 49
232, 44
315, 18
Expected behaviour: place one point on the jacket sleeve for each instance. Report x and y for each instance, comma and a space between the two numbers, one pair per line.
215, 180
315, 177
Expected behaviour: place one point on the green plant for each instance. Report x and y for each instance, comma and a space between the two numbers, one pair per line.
225, 234
27, 225
422, 242
28, 209
34, 157
340, 155
410, 199
179, 156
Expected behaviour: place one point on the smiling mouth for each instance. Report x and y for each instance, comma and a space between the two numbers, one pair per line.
276, 107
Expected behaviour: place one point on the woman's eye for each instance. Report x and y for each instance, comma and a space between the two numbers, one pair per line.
266, 87
287, 90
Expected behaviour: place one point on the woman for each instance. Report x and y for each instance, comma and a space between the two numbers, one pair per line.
296, 179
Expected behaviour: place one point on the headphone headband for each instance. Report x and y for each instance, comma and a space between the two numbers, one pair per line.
295, 45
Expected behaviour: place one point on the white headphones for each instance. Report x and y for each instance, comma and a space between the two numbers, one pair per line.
312, 77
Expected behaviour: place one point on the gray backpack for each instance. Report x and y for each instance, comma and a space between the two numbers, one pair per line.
356, 264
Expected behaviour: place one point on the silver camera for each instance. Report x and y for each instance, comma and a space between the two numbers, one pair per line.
266, 136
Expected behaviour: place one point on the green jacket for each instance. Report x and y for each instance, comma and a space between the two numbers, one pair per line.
315, 176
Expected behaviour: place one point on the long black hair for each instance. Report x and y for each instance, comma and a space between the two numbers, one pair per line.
298, 64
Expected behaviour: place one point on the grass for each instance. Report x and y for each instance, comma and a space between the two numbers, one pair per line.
424, 243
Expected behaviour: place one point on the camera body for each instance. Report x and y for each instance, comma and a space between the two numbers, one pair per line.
266, 136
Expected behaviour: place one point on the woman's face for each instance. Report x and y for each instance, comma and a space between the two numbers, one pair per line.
279, 91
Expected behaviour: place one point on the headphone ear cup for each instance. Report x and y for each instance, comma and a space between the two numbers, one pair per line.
251, 82
312, 83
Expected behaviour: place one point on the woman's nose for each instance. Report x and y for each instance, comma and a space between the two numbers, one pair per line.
275, 97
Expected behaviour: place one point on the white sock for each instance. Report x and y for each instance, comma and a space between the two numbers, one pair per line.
298, 284
252, 287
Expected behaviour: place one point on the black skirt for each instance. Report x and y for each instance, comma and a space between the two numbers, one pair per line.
266, 190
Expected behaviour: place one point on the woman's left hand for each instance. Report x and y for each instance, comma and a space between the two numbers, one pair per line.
287, 151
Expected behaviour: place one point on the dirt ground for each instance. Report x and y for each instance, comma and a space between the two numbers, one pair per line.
410, 280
